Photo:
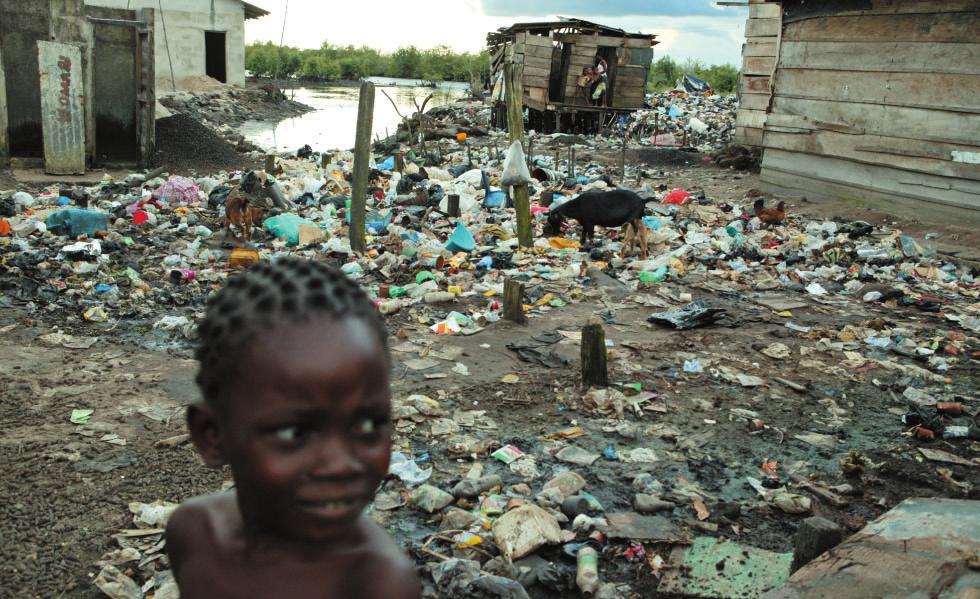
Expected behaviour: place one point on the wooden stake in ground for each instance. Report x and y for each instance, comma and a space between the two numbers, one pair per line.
514, 301
270, 163
453, 205
622, 162
571, 161
594, 373
513, 75
362, 158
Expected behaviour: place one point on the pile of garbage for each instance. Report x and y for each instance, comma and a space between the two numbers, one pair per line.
680, 119
507, 513
228, 105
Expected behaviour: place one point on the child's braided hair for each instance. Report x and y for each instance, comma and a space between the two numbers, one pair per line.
288, 290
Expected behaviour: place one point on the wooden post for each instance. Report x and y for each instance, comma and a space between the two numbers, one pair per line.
557, 159
594, 373
530, 152
514, 301
571, 160
145, 51
270, 163
4, 136
515, 128
622, 161
400, 162
362, 168
453, 205
814, 537
324, 160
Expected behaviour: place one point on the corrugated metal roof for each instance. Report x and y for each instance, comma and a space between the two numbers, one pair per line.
254, 12
561, 23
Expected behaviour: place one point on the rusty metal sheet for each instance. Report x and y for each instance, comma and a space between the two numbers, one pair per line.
921, 548
62, 107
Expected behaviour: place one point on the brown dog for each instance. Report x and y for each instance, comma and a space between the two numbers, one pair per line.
635, 234
242, 215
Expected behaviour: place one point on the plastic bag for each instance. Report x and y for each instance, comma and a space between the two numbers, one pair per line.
286, 226
515, 167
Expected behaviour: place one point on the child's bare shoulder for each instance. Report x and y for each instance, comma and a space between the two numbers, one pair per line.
396, 575
203, 522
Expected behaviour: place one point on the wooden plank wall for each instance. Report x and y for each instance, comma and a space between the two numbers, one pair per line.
879, 103
534, 52
758, 63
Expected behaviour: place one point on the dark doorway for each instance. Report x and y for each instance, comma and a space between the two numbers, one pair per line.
214, 49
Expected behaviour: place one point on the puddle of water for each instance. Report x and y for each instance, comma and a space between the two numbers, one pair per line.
333, 123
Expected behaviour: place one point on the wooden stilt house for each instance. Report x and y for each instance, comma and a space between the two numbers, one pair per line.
555, 57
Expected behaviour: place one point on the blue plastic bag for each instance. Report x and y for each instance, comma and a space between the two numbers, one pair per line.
76, 221
387, 165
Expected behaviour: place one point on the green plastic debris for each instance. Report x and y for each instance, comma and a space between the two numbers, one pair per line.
424, 276
710, 568
81, 416
395, 292
286, 226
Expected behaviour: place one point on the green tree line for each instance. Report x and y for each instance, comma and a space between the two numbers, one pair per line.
664, 73
332, 63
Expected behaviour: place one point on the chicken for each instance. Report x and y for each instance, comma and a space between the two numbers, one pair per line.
770, 216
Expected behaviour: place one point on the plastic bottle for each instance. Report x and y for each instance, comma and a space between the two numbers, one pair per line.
587, 575
654, 277
437, 297
389, 307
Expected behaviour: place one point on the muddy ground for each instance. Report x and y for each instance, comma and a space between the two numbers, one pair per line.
66, 490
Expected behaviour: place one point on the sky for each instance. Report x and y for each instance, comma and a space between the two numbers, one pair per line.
697, 29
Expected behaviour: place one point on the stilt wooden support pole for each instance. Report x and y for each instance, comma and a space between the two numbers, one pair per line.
515, 128
514, 301
594, 373
622, 162
362, 158
270, 163
453, 207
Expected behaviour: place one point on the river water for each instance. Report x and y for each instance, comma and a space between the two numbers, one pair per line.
333, 122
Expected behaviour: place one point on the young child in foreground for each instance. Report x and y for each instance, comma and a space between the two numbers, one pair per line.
294, 374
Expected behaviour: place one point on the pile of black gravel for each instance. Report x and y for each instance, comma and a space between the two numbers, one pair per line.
185, 146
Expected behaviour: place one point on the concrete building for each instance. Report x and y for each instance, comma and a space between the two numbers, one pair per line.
196, 37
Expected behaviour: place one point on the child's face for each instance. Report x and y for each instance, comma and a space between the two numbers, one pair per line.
306, 428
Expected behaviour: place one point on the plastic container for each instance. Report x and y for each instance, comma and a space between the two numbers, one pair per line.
76, 221
438, 297
243, 257
587, 573
461, 240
